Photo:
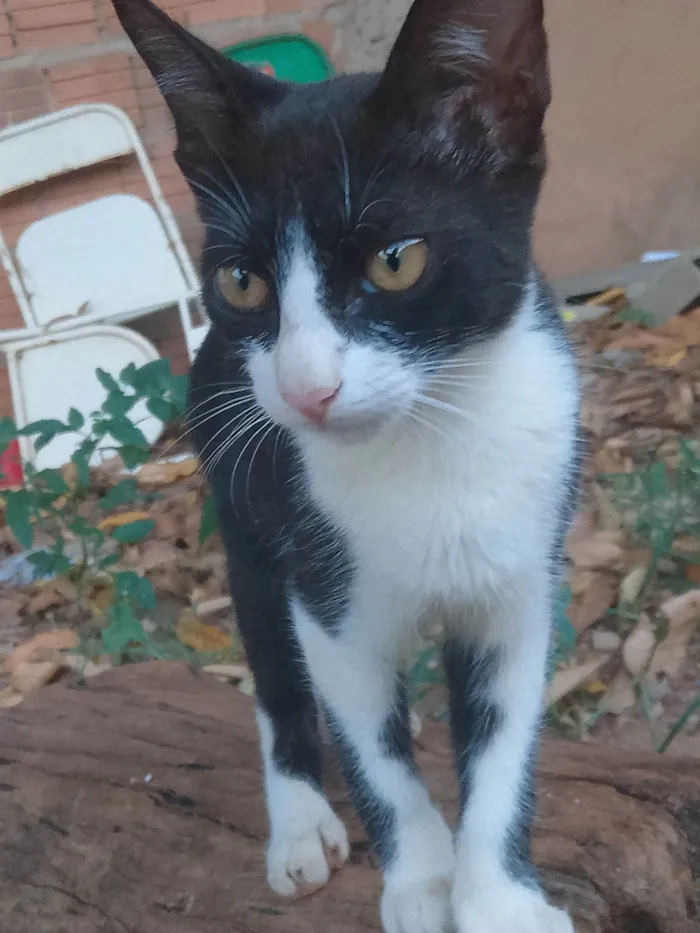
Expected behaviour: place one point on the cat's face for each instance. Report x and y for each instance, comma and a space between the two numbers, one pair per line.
363, 236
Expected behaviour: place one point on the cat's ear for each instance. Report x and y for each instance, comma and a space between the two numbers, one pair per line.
472, 69
208, 95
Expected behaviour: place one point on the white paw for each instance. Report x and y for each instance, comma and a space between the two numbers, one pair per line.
423, 907
305, 849
510, 908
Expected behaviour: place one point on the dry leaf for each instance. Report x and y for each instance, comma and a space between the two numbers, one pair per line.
680, 610
692, 573
227, 672
595, 600
42, 647
566, 680
213, 605
48, 597
8, 698
631, 586
596, 687
164, 472
665, 359
122, 518
30, 675
207, 639
620, 695
156, 554
601, 550
639, 646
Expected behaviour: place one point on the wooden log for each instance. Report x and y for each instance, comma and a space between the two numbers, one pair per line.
133, 805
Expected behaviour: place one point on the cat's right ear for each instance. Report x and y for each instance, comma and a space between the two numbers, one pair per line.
209, 96
471, 78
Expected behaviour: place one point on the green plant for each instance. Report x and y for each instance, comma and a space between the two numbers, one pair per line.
55, 502
665, 503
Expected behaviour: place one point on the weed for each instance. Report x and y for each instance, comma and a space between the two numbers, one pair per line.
53, 501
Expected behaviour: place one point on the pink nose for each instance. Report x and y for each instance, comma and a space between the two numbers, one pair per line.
313, 405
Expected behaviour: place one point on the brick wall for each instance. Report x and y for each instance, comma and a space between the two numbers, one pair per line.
55, 55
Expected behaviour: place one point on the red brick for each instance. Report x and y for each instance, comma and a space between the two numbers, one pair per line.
181, 203
20, 98
92, 87
19, 77
61, 15
173, 186
7, 48
214, 10
165, 167
4, 25
102, 64
77, 34
164, 146
285, 6
150, 96
320, 31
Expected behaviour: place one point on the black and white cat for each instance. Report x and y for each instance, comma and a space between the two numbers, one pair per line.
387, 410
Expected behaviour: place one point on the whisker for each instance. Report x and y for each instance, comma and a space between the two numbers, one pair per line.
240, 455
446, 406
346, 165
228, 442
252, 459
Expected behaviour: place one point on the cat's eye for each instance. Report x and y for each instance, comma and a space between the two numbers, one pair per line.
241, 288
399, 266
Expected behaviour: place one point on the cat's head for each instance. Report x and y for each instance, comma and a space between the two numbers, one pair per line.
362, 233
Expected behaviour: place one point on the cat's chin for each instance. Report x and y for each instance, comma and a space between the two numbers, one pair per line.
354, 429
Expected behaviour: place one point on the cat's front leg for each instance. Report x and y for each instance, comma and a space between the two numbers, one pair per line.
495, 664
354, 670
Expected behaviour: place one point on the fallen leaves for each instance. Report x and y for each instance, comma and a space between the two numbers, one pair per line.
35, 663
166, 472
122, 518
599, 550
568, 679
207, 639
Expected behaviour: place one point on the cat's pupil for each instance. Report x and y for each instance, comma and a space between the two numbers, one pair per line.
393, 259
242, 277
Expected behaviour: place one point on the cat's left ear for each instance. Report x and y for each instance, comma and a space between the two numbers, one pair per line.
466, 72
210, 97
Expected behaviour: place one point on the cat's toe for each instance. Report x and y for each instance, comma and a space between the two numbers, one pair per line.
301, 861
422, 907
513, 908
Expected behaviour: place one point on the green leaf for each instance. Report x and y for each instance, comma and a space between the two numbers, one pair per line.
75, 419
179, 386
133, 456
49, 563
128, 374
134, 531
124, 432
44, 426
43, 440
138, 590
53, 481
17, 516
152, 377
160, 409
124, 629
82, 528
8, 433
106, 381
81, 458
109, 561
117, 404
123, 492
208, 524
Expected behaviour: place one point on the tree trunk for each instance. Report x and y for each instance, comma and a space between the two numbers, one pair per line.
133, 805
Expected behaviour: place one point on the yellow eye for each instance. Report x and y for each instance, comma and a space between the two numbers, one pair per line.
241, 288
399, 266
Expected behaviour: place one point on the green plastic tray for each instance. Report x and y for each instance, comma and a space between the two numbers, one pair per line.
287, 57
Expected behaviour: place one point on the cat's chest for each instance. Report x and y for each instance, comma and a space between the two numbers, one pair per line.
461, 508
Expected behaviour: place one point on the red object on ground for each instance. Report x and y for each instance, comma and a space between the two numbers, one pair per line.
11, 467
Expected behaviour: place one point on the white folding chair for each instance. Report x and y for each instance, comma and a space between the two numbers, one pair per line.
112, 259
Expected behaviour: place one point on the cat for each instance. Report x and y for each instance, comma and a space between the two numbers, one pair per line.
386, 407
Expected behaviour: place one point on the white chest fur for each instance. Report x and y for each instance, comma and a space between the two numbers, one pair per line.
453, 513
